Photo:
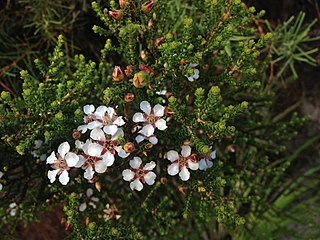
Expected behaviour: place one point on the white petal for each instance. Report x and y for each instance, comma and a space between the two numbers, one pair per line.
95, 149
145, 107
82, 207
192, 65
190, 79
119, 133
89, 192
184, 174
79, 144
213, 154
158, 110
63, 149
98, 135
94, 124
186, 151
127, 175
100, 166
88, 109
196, 73
153, 140
110, 112
149, 166
72, 159
88, 174
150, 178
1, 174
139, 138
138, 117
110, 129
95, 199
64, 177
52, 175
1, 186
119, 121
161, 124
52, 158
136, 184
80, 162
101, 111
172, 155
202, 164
108, 159
135, 162
173, 169
37, 144
83, 128
147, 130
121, 153
13, 212
43, 157
209, 164
193, 165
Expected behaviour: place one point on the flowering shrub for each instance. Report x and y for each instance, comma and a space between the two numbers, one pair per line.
186, 91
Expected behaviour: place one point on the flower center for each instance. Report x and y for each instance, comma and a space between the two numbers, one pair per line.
89, 118
107, 120
61, 163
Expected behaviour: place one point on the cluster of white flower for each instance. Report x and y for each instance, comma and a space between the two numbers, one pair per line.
103, 146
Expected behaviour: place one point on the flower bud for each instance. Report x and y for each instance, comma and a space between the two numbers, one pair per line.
168, 111
147, 7
143, 55
159, 41
128, 71
129, 97
140, 79
150, 23
129, 147
116, 14
76, 135
117, 74
124, 3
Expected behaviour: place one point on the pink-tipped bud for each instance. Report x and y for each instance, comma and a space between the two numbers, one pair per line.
159, 41
141, 79
124, 3
129, 97
129, 147
143, 55
116, 14
128, 71
117, 74
147, 7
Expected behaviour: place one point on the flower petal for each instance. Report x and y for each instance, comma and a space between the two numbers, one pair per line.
52, 158
64, 177
172, 155
88, 174
52, 175
83, 128
173, 169
95, 149
184, 174
203, 164
213, 154
119, 121
190, 78
110, 111
1, 174
127, 175
98, 135
82, 207
145, 107
149, 166
88, 109
147, 130
63, 149
108, 159
37, 144
139, 138
138, 117
79, 144
158, 110
135, 162
186, 151
119, 133
110, 129
100, 111
1, 186
89, 192
121, 153
193, 165
136, 184
161, 124
153, 140
150, 178
72, 159
80, 162
94, 124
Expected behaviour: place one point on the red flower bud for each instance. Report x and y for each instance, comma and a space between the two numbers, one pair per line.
147, 7
124, 3
129, 147
141, 79
128, 71
147, 69
117, 74
116, 14
129, 97
159, 41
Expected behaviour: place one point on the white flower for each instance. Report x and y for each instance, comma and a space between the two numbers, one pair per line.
152, 139
139, 173
39, 145
87, 120
92, 161
111, 212
108, 119
195, 72
181, 163
151, 118
61, 163
89, 200
1, 174
12, 209
205, 162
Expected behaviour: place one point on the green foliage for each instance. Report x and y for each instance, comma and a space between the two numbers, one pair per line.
206, 57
